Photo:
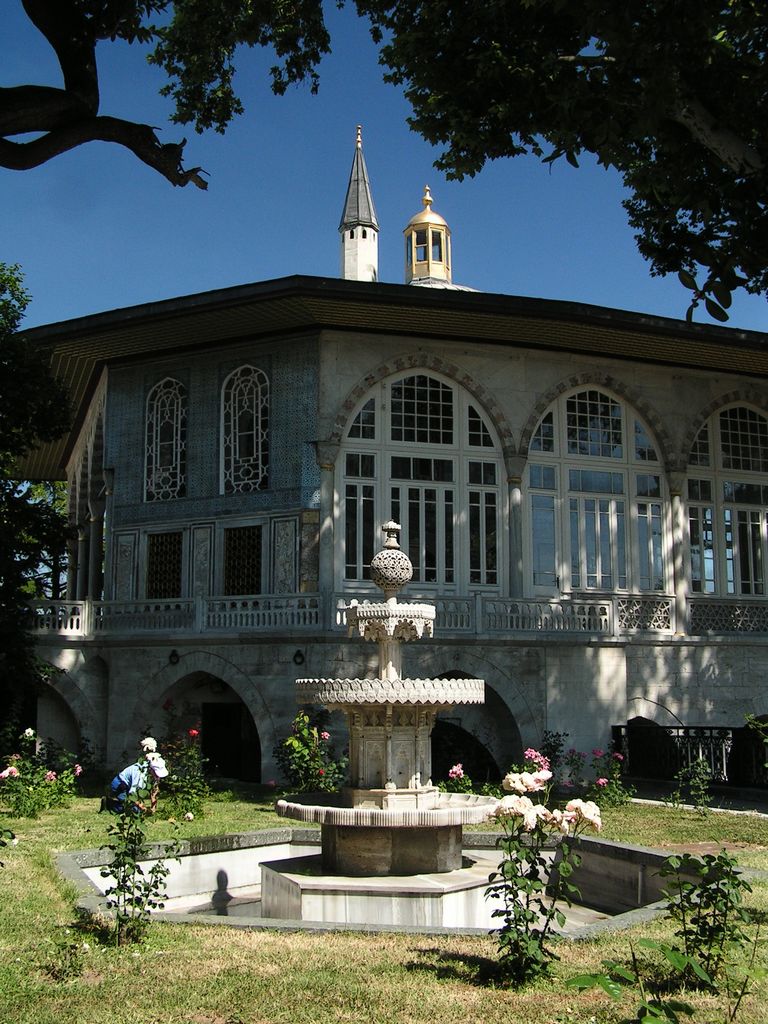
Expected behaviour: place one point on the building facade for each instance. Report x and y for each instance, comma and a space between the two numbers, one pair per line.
582, 491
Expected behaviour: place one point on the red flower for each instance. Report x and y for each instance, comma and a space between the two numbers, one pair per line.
321, 771
194, 733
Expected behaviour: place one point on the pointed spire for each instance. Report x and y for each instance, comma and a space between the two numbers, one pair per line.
358, 206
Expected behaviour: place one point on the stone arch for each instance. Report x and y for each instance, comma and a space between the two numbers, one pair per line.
430, 362
508, 704
739, 396
83, 693
623, 391
244, 686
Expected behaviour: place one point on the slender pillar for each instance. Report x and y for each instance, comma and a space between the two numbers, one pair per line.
72, 550
515, 466
95, 551
680, 568
82, 561
326, 458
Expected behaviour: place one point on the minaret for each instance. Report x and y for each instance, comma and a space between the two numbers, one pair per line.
427, 247
359, 228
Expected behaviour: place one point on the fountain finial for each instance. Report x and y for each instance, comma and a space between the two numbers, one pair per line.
391, 568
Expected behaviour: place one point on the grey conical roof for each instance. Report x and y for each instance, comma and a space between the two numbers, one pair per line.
358, 206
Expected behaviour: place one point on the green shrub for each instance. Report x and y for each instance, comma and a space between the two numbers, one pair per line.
307, 759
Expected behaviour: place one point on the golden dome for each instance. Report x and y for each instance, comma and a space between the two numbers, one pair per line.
427, 215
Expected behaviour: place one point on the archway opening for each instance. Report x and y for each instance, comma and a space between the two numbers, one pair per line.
229, 737
451, 744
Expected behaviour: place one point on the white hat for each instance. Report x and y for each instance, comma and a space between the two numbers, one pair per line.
157, 764
149, 744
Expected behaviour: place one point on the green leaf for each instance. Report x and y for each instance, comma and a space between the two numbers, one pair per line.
715, 311
722, 294
687, 280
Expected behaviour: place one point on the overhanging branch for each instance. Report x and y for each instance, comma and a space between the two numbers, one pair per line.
140, 139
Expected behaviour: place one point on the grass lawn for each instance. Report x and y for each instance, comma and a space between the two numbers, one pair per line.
209, 975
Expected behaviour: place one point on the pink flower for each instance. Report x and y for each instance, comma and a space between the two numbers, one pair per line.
534, 757
325, 736
618, 757
50, 776
601, 782
11, 772
193, 733
584, 811
567, 784
597, 752
457, 772
78, 770
321, 771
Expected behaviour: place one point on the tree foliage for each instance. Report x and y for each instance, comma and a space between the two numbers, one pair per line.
671, 93
194, 41
33, 409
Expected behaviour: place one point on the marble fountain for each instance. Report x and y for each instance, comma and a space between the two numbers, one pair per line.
391, 853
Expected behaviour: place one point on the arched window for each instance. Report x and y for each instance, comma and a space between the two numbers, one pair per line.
245, 431
596, 500
165, 474
420, 451
728, 504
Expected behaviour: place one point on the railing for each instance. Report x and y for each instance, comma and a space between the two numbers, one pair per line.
235, 614
715, 615
505, 616
477, 615
734, 755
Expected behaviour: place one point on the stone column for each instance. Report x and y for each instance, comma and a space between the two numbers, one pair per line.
95, 550
680, 567
515, 467
327, 453
72, 569
82, 561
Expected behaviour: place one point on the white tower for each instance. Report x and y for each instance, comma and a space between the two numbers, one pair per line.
359, 228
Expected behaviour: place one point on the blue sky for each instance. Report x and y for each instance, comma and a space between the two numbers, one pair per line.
96, 229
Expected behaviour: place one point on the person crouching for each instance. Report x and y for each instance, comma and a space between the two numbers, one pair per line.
136, 786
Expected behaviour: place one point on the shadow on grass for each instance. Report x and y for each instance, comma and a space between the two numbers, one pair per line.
468, 968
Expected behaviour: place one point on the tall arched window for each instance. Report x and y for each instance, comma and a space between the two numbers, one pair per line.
728, 504
420, 451
596, 500
165, 474
245, 431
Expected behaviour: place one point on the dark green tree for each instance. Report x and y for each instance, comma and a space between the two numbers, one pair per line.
33, 409
673, 94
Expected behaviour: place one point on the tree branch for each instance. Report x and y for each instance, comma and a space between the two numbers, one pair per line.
735, 153
140, 139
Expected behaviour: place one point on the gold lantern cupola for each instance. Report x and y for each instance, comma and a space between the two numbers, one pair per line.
427, 246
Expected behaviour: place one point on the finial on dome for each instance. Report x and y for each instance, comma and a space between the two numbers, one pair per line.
392, 529
359, 136
427, 199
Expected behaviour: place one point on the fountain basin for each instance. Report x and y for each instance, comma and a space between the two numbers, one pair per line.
218, 880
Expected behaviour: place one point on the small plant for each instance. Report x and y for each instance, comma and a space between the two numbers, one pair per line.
307, 759
135, 891
705, 900
68, 958
710, 911
693, 781
6, 838
608, 788
458, 781
553, 749
186, 787
32, 782
528, 891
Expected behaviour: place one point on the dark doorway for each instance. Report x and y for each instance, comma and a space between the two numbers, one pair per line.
453, 745
230, 742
